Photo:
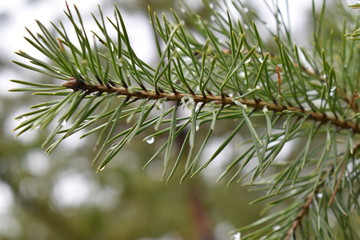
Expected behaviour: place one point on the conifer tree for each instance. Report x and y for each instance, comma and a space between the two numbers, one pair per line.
277, 95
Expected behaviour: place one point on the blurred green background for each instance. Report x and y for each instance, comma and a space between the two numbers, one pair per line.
61, 197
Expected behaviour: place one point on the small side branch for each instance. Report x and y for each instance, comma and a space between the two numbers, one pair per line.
319, 117
356, 148
309, 199
340, 177
305, 208
341, 174
299, 217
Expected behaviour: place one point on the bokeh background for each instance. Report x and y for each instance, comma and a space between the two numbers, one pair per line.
59, 196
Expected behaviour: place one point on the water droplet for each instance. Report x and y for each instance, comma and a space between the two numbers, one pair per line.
332, 91
243, 106
35, 126
63, 123
248, 60
112, 147
319, 195
237, 236
190, 105
277, 227
112, 48
323, 76
211, 6
188, 102
119, 62
212, 17
101, 169
21, 119
149, 139
279, 99
246, 9
265, 109
133, 90
183, 10
242, 74
197, 127
246, 27
159, 105
128, 120
260, 60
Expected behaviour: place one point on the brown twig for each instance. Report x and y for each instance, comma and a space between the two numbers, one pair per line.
319, 117
311, 196
302, 213
342, 171
278, 71
356, 148
352, 103
304, 209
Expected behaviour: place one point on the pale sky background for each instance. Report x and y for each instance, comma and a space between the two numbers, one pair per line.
20, 14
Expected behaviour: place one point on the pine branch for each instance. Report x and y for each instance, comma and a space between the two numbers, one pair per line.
290, 96
221, 100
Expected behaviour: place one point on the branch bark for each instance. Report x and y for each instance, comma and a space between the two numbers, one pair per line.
340, 177
305, 208
300, 216
223, 100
